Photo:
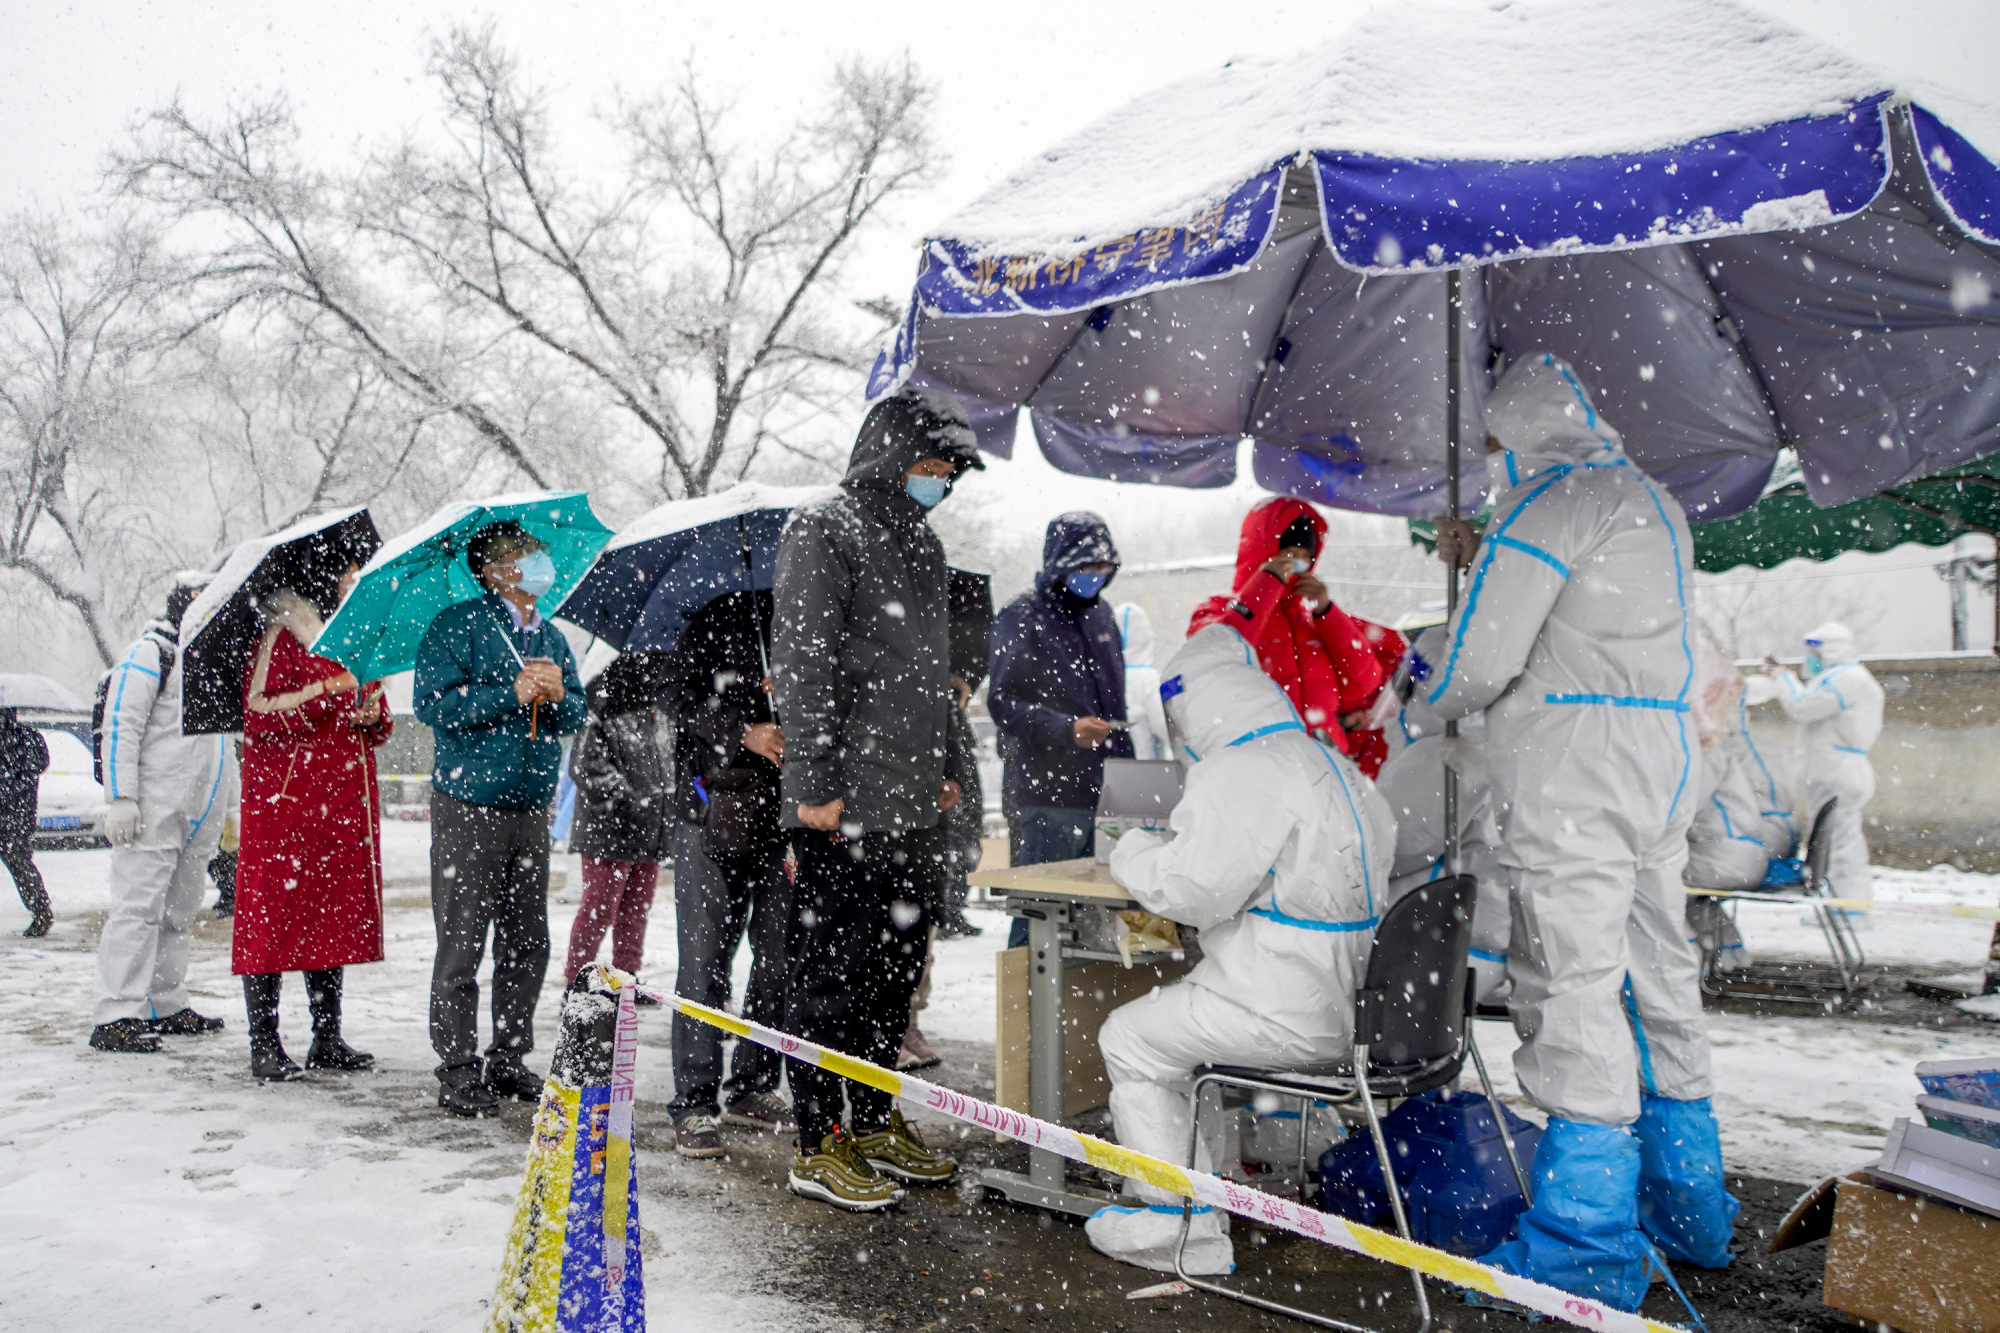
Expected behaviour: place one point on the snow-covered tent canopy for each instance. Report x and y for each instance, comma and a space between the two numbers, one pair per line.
1742, 238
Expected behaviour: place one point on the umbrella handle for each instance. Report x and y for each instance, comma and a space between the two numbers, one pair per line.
534, 716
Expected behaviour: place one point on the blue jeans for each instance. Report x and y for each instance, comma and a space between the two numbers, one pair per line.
1038, 834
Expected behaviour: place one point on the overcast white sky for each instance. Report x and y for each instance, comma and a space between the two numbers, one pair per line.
1013, 78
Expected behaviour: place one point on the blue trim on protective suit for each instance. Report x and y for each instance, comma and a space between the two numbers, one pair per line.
125, 670
1850, 749
1687, 650
1729, 826
1274, 913
1556, 474
1619, 701
1824, 680
1529, 548
1487, 955
1639, 1035
1272, 730
221, 762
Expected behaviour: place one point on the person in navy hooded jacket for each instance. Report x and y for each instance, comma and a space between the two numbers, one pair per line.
1058, 685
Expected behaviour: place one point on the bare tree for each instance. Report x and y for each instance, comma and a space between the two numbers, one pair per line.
1769, 612
77, 315
289, 247
696, 300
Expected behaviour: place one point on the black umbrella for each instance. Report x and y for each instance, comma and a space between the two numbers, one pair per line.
220, 630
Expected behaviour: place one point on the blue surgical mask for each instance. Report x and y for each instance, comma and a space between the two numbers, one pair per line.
538, 573
926, 491
1085, 583
1301, 566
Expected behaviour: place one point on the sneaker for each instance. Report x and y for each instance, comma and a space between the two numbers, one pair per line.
38, 924
760, 1110
956, 927
469, 1098
838, 1175
508, 1077
916, 1052
184, 1023
897, 1151
128, 1035
698, 1136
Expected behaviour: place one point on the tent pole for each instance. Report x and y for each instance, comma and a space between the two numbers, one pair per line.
1452, 859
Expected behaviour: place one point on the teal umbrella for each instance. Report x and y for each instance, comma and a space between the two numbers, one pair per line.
378, 628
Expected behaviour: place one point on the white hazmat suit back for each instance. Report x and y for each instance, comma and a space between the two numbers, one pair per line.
1839, 712
1279, 855
1574, 637
1146, 717
185, 787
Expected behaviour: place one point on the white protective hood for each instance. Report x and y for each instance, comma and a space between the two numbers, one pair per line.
1834, 642
1542, 417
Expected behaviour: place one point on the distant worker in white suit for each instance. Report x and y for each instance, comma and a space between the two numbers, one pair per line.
1279, 855
169, 795
1575, 639
1146, 717
1839, 712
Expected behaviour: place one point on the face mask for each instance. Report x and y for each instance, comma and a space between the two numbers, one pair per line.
538, 573
1501, 471
1813, 664
1085, 583
926, 491
1300, 566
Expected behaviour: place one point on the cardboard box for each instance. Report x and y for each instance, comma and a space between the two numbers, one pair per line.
1095, 989
1915, 1264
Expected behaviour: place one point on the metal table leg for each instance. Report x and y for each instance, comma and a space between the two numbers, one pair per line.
1043, 1186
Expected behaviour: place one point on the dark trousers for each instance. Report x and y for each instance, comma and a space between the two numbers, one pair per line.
261, 991
1039, 834
17, 853
713, 905
489, 868
864, 920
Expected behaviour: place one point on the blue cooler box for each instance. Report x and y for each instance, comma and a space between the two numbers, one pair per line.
1457, 1186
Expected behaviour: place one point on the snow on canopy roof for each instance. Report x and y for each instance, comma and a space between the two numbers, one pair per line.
1516, 82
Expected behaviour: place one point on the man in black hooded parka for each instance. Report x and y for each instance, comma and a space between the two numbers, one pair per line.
861, 657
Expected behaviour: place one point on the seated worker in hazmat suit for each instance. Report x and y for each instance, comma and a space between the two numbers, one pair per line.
1575, 639
1726, 848
1279, 855
1412, 782
1839, 710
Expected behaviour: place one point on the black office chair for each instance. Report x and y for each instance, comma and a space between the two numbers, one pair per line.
1411, 1035
1774, 981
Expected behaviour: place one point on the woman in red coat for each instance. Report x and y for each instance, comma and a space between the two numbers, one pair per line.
309, 867
1305, 643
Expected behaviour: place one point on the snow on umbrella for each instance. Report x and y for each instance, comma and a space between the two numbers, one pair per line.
670, 562
1741, 238
38, 692
220, 629
378, 628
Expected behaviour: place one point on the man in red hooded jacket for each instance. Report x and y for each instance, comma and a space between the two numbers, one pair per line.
1307, 645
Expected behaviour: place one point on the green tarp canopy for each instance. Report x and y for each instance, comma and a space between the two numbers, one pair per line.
1787, 525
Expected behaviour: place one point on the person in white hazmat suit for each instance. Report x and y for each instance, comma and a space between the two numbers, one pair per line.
1279, 855
1726, 848
1839, 712
1574, 637
169, 795
1146, 717
1412, 782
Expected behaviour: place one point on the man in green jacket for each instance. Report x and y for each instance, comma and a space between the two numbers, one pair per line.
498, 685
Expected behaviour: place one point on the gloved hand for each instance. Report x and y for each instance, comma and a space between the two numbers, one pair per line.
121, 822
1466, 756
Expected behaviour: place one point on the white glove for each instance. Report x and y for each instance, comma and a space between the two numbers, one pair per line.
1466, 756
121, 822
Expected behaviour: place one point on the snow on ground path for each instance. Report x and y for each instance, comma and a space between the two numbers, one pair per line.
172, 1192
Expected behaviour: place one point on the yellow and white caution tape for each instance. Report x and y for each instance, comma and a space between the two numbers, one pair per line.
1267, 1209
1962, 911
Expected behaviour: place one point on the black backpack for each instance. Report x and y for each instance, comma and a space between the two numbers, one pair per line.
169, 650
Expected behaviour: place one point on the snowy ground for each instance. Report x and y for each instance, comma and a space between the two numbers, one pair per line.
172, 1192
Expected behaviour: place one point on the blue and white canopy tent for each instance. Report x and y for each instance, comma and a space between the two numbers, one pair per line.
1740, 237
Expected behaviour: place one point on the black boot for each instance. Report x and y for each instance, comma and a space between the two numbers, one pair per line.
268, 1060
328, 1050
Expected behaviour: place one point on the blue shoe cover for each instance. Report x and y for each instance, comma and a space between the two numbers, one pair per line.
1684, 1204
1583, 1232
